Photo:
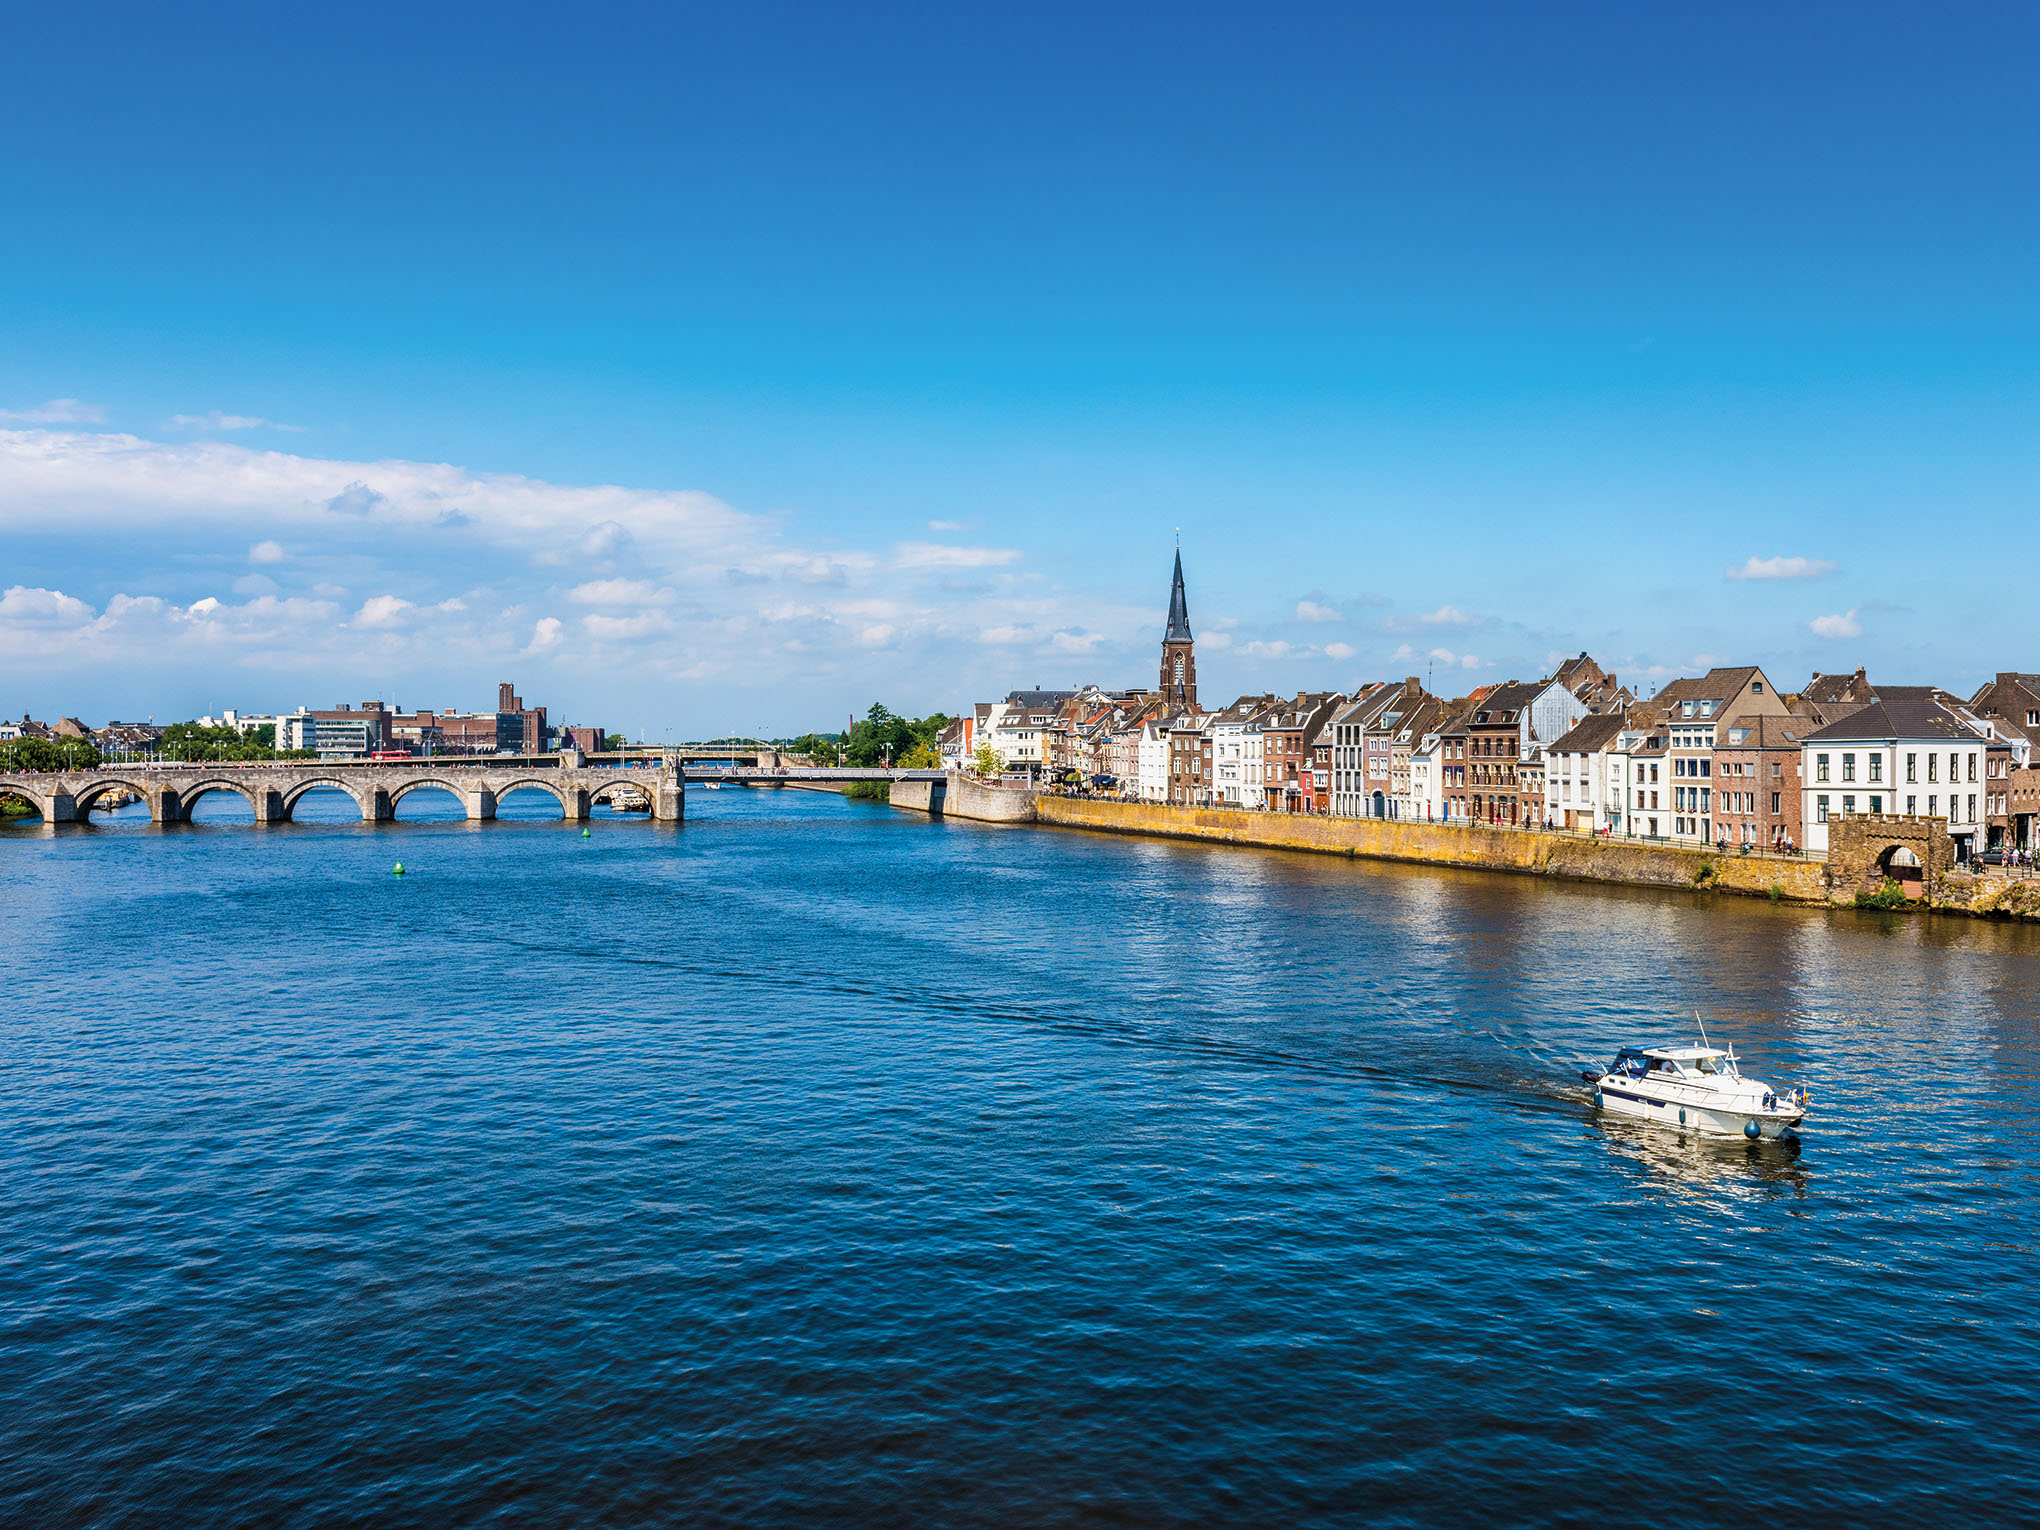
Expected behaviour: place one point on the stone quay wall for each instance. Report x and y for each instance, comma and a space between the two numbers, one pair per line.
961, 796
1526, 851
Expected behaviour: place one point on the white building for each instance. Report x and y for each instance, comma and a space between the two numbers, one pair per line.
1586, 775
1911, 758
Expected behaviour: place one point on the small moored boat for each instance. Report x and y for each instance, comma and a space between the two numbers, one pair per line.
1696, 1089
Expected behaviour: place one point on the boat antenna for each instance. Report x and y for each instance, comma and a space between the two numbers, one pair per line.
1703, 1029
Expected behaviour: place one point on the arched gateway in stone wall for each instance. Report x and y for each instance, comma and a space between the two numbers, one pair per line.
1866, 848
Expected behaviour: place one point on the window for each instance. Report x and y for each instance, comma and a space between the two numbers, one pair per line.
1972, 807
1848, 767
1775, 808
1706, 767
1756, 687
1848, 804
1876, 804
1820, 807
1685, 709
1933, 761
1912, 769
1933, 805
1972, 771
1912, 807
1820, 767
1777, 770
1954, 768
1877, 767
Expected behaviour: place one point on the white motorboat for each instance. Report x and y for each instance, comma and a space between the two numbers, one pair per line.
1696, 1089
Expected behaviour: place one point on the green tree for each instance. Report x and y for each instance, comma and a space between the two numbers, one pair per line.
48, 754
921, 757
987, 762
614, 741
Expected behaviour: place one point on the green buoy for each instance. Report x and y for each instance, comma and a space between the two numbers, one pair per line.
584, 834
397, 870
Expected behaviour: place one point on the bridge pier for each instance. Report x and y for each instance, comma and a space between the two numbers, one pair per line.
59, 807
574, 803
269, 806
481, 804
669, 799
165, 806
376, 806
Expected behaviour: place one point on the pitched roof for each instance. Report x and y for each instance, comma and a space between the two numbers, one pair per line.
1895, 719
1506, 699
1594, 733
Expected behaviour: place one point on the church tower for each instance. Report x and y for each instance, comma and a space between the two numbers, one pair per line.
1179, 655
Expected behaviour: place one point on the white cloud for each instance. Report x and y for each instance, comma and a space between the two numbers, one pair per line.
214, 420
1444, 656
1339, 650
1312, 611
1447, 616
1469, 661
618, 592
616, 629
1781, 568
1842, 625
1216, 640
937, 555
381, 610
58, 411
686, 587
945, 525
33, 606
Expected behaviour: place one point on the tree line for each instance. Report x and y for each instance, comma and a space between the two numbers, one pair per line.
882, 738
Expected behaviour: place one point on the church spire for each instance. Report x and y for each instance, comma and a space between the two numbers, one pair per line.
1179, 650
1179, 608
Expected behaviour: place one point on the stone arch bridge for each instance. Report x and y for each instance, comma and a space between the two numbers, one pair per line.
273, 790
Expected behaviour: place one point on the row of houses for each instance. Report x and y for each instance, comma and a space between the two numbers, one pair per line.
1723, 758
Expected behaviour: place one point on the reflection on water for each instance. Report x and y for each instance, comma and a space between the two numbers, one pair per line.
1708, 1167
815, 1162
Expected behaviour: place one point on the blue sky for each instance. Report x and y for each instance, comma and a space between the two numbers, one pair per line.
734, 370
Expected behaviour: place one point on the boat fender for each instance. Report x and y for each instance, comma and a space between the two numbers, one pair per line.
1682, 1115
1751, 1130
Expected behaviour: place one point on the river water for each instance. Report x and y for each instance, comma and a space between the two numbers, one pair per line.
814, 1163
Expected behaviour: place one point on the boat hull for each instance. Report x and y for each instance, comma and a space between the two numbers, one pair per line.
1705, 1120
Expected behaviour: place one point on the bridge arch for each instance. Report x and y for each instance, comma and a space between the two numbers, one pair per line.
83, 798
457, 790
646, 790
35, 797
188, 796
296, 792
519, 783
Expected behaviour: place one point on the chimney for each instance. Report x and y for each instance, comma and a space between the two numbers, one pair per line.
506, 698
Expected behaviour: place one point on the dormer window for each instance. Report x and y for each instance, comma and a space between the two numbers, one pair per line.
1706, 709
1685, 709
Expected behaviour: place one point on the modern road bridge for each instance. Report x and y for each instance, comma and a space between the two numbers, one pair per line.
274, 788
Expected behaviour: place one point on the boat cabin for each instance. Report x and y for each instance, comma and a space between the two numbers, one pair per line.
1690, 1062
